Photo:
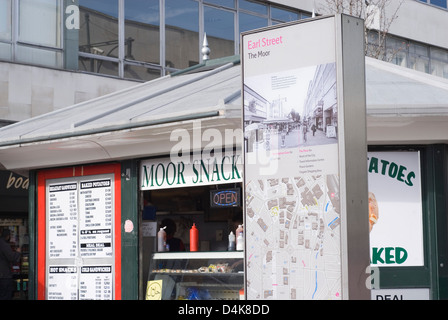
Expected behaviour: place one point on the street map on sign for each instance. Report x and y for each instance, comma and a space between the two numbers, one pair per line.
293, 238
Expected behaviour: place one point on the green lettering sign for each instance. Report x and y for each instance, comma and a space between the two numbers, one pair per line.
389, 255
391, 169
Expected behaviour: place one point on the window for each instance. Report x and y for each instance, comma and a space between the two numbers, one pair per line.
418, 57
253, 7
39, 33
223, 3
142, 39
136, 39
98, 35
250, 22
282, 15
219, 26
182, 33
252, 15
440, 3
39, 22
439, 62
5, 29
5, 20
396, 51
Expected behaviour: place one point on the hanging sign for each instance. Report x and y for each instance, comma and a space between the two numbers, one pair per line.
225, 198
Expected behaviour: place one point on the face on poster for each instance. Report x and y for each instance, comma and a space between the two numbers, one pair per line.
395, 209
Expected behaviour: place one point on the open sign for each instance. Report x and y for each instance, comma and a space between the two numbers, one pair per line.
225, 198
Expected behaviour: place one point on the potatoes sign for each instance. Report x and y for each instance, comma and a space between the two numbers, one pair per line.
396, 237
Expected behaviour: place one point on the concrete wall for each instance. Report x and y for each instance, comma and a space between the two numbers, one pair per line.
28, 91
416, 20
422, 22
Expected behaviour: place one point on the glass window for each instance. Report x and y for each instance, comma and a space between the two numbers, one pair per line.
250, 22
283, 15
5, 19
181, 33
140, 72
439, 62
40, 22
5, 51
419, 57
219, 26
373, 47
98, 33
142, 30
254, 7
39, 56
396, 51
304, 15
224, 3
98, 66
440, 3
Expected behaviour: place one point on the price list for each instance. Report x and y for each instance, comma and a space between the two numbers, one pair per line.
63, 221
95, 213
62, 283
95, 283
80, 233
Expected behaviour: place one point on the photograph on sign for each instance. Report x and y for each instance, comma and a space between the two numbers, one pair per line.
290, 109
395, 209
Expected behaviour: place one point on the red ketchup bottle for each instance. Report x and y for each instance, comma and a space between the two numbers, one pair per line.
194, 238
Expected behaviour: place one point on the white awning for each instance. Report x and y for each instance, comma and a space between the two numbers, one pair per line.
405, 106
132, 123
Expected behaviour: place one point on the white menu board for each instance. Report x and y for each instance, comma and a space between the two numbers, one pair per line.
62, 283
95, 216
63, 220
95, 283
80, 238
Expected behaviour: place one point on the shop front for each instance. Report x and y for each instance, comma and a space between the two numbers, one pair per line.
99, 193
192, 213
14, 218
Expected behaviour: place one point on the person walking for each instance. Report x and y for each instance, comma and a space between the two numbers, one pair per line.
7, 257
304, 131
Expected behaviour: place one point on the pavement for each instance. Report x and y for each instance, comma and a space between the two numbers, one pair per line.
295, 139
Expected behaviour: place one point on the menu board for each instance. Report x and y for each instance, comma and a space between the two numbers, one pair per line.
95, 283
62, 283
95, 210
63, 220
80, 241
